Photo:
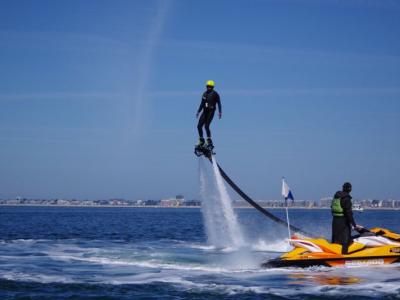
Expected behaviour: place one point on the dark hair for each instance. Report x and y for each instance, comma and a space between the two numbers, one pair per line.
347, 187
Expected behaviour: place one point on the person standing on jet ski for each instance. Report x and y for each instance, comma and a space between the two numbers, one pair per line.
343, 219
209, 101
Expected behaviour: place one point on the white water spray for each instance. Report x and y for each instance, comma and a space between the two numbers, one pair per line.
221, 223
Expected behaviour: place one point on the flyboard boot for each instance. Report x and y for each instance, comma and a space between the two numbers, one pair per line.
210, 145
205, 149
198, 150
201, 143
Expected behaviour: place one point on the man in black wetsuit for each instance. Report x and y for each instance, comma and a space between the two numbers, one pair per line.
343, 220
208, 104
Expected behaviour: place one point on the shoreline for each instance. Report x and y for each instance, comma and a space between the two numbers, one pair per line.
98, 206
185, 207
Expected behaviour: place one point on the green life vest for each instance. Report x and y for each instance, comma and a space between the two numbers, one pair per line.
336, 208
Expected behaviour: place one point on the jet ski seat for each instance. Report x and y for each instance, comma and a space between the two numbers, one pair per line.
386, 233
337, 248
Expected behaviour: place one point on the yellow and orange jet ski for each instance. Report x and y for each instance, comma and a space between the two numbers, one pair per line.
376, 246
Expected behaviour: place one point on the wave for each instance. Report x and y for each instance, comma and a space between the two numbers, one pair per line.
186, 266
40, 278
275, 246
192, 284
151, 263
23, 241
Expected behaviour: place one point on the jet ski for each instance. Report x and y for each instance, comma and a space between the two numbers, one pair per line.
376, 246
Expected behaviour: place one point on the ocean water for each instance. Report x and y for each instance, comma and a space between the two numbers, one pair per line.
147, 253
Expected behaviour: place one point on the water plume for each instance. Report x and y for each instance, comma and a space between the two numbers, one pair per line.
222, 227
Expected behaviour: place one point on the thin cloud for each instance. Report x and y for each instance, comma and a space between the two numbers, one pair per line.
383, 4
61, 96
253, 52
140, 96
287, 92
62, 41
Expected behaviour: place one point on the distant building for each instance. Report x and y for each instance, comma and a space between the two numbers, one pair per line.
140, 202
325, 202
152, 202
376, 203
170, 202
62, 202
192, 203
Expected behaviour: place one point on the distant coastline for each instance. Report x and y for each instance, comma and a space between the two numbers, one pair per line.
179, 201
177, 207
100, 206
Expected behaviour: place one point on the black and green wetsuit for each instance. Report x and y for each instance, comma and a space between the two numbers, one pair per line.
342, 221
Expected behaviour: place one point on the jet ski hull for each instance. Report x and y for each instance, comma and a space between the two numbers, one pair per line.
377, 246
333, 262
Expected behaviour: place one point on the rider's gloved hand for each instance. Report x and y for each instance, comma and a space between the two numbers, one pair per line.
197, 115
220, 115
358, 228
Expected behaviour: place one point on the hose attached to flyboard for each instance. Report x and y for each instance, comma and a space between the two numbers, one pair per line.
256, 205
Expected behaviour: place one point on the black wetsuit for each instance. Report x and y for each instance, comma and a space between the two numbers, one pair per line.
208, 104
341, 226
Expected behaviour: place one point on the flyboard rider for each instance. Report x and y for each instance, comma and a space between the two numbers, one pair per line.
209, 102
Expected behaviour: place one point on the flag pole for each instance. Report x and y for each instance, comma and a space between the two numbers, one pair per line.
286, 208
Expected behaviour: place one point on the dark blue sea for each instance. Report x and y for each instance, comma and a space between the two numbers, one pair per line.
147, 253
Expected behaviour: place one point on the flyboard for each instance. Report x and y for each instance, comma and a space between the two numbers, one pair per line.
208, 152
206, 149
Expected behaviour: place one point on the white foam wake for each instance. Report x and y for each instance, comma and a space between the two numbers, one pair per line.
277, 246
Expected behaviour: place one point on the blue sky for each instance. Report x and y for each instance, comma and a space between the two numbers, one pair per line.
98, 98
